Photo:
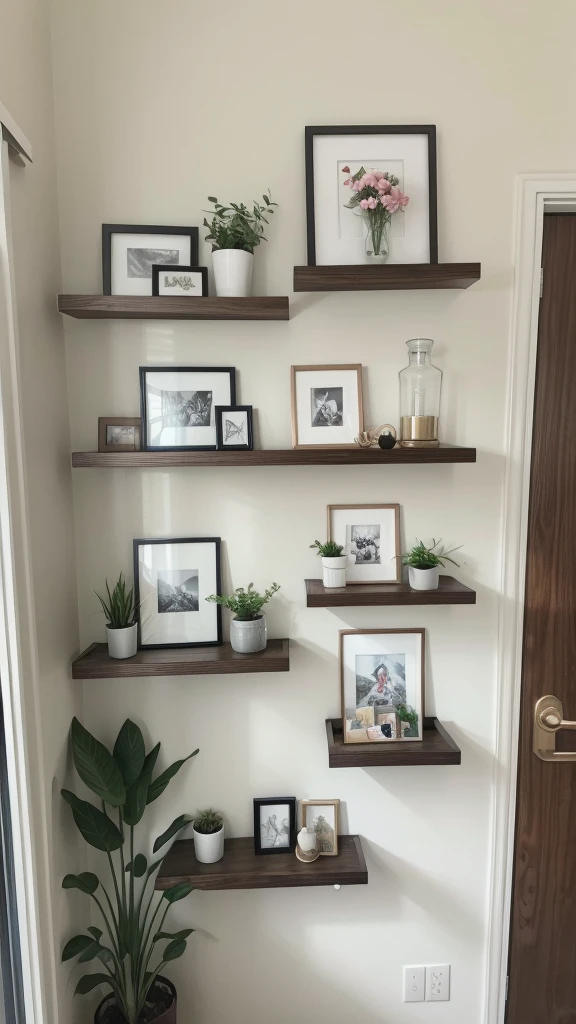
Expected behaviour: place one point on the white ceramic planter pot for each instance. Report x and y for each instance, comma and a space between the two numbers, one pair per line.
209, 847
232, 271
424, 579
334, 572
307, 845
247, 637
122, 643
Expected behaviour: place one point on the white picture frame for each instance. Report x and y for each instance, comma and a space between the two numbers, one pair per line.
370, 536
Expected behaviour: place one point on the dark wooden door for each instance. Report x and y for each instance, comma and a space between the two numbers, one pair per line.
542, 968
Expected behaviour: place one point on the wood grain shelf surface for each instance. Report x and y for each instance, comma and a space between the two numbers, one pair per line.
385, 277
240, 868
271, 457
154, 307
450, 591
436, 747
96, 663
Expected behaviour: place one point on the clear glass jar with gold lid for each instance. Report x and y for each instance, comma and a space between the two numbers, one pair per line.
420, 388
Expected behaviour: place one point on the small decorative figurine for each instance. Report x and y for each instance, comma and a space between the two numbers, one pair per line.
371, 437
306, 846
387, 438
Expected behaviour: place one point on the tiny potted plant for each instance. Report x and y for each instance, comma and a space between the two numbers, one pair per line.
333, 563
234, 232
424, 564
408, 720
208, 830
248, 632
121, 627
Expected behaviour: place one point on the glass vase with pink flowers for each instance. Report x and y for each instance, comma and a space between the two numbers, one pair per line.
376, 197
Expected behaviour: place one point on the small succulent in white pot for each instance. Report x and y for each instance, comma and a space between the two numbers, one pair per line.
208, 832
424, 564
333, 563
121, 627
248, 631
235, 231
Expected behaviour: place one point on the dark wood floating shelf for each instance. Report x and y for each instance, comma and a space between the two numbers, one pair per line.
153, 307
450, 591
96, 663
240, 868
385, 277
271, 457
437, 747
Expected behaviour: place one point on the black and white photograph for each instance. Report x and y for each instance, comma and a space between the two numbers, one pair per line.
382, 684
130, 251
327, 405
118, 434
275, 825
121, 435
178, 280
178, 405
322, 816
234, 427
337, 233
172, 579
370, 536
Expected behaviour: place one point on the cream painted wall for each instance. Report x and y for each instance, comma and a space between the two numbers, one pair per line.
158, 107
26, 91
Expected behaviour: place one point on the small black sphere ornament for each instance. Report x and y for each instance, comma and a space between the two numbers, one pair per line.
387, 438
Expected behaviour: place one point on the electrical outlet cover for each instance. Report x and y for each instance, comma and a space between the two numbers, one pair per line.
437, 983
414, 981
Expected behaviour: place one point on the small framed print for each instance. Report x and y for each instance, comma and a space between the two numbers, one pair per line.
322, 816
179, 405
370, 536
118, 434
186, 281
382, 685
336, 233
327, 409
275, 824
172, 579
234, 427
129, 251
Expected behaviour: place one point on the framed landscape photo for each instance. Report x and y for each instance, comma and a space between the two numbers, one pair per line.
234, 427
186, 281
370, 536
172, 579
327, 408
337, 234
129, 251
275, 824
179, 405
118, 434
322, 816
382, 685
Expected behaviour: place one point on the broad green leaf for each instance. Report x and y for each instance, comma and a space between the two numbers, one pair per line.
96, 932
75, 946
85, 881
174, 949
182, 934
90, 981
159, 785
174, 828
150, 759
90, 953
129, 752
177, 892
96, 827
140, 865
105, 955
212, 199
136, 798
96, 766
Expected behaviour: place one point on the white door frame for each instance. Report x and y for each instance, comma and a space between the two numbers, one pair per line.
536, 194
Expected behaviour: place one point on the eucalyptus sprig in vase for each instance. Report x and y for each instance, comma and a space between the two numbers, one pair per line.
248, 631
376, 198
234, 232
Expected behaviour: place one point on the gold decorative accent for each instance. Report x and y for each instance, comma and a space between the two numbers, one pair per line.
548, 720
419, 431
369, 438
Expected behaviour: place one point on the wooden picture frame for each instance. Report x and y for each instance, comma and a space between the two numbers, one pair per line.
105, 422
363, 733
108, 230
397, 553
157, 269
304, 807
273, 801
327, 369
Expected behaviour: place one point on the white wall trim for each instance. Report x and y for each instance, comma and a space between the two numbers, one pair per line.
534, 195
14, 135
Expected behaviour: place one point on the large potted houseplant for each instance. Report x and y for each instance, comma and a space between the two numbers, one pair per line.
333, 564
424, 564
121, 627
133, 945
248, 632
235, 231
208, 832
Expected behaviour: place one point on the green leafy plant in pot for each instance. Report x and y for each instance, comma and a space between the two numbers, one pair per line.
133, 946
121, 627
333, 563
424, 564
248, 632
235, 231
208, 831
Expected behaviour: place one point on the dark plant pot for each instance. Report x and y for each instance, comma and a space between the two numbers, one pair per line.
108, 1013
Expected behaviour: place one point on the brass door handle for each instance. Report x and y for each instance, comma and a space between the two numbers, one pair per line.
548, 720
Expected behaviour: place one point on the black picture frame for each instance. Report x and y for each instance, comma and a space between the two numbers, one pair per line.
158, 268
264, 801
218, 410
145, 446
364, 129
136, 544
139, 229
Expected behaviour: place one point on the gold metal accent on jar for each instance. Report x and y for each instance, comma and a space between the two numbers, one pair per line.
419, 431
